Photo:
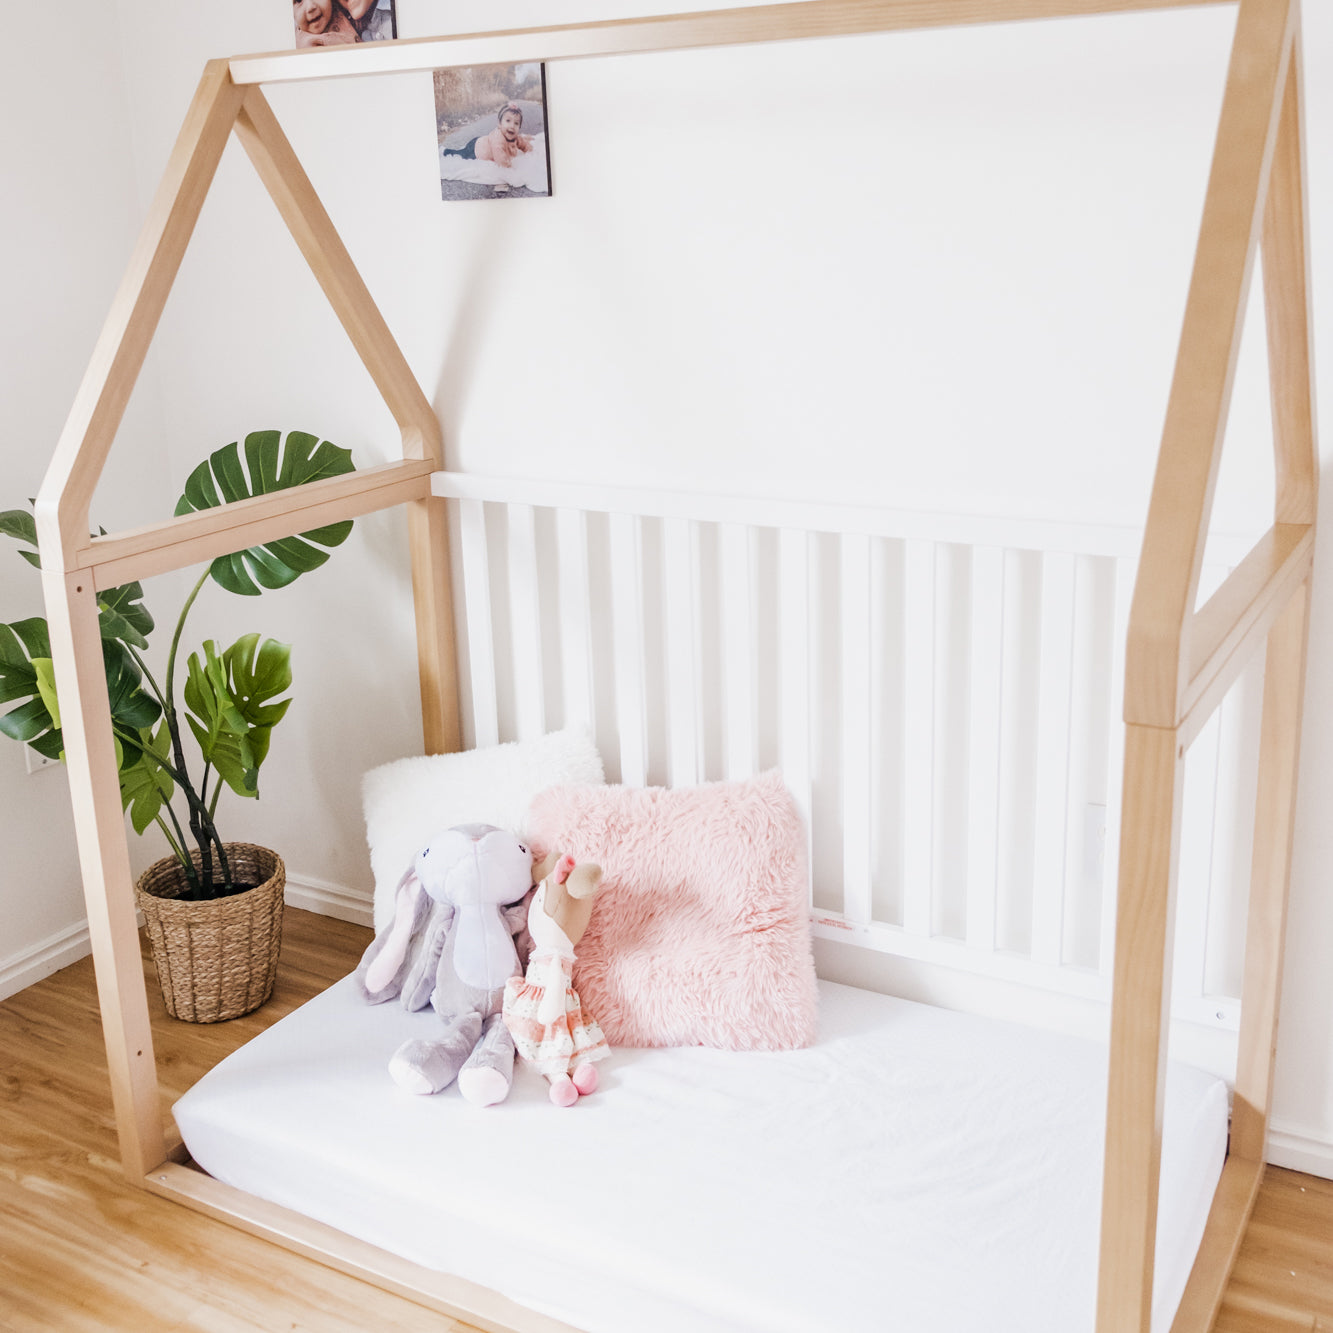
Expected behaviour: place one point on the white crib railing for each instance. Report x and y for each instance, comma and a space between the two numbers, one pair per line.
941, 693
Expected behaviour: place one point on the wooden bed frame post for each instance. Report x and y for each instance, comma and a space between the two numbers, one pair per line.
1181, 661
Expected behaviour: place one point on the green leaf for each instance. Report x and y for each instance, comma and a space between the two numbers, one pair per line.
271, 464
132, 707
19, 643
144, 784
45, 670
233, 705
20, 524
122, 615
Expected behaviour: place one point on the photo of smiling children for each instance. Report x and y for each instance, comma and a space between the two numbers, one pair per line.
490, 121
332, 22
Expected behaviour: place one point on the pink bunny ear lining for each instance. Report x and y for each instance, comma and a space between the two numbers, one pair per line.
386, 963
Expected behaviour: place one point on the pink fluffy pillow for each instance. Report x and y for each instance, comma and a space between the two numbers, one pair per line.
701, 934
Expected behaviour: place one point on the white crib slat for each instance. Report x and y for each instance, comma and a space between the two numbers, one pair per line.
985, 697
627, 615
480, 639
919, 736
794, 649
1052, 792
681, 556
738, 650
855, 621
525, 617
575, 620
1125, 572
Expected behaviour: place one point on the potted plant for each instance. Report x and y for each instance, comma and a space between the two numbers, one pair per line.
213, 908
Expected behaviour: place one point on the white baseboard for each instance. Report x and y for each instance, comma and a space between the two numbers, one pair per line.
40, 960
336, 900
1300, 1152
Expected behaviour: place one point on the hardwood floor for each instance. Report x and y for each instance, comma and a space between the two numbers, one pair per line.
80, 1249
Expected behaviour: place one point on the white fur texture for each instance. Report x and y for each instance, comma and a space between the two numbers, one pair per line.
410, 800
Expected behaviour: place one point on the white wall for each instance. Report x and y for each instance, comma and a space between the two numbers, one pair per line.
69, 212
950, 266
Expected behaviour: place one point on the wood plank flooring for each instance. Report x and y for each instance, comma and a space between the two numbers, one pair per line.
80, 1249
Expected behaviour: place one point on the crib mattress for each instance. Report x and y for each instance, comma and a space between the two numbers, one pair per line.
916, 1170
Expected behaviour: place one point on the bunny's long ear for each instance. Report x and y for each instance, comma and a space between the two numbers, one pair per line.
381, 968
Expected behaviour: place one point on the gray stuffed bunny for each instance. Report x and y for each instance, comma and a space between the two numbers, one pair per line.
450, 945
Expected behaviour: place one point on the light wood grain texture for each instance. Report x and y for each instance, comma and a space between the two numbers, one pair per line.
1274, 823
1232, 1205
1140, 1014
1178, 513
1227, 630
433, 598
175, 543
1286, 269
726, 27
286, 181
104, 861
66, 493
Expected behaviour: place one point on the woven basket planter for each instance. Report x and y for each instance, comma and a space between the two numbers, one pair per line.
215, 960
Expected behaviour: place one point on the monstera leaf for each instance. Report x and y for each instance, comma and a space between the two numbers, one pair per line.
271, 464
25, 673
20, 525
120, 611
232, 710
145, 786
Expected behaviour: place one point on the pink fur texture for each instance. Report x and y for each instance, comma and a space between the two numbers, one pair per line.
701, 935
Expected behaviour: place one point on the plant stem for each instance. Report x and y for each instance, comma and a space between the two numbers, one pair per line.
201, 821
176, 849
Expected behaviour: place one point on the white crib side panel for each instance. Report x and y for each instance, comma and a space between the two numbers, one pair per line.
985, 702
856, 774
575, 625
480, 633
525, 611
738, 651
680, 540
947, 717
1052, 746
794, 668
627, 619
919, 736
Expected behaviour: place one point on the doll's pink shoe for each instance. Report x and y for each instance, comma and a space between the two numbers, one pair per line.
584, 1079
563, 1091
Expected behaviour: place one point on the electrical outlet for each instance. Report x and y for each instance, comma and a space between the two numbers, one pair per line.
37, 762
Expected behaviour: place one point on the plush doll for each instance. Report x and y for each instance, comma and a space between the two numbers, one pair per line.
451, 945
542, 1010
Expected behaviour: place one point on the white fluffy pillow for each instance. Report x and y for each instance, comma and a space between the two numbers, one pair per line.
410, 800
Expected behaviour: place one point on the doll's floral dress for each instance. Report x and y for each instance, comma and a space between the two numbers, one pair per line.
542, 1010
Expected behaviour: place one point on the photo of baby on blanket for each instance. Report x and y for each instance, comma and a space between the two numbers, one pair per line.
490, 123
333, 22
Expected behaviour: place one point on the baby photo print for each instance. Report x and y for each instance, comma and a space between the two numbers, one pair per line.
332, 22
491, 125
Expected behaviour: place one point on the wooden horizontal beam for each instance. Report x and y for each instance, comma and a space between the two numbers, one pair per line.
1232, 626
454, 1296
1233, 1202
675, 32
193, 538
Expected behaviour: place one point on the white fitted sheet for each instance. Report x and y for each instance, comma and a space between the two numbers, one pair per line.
916, 1170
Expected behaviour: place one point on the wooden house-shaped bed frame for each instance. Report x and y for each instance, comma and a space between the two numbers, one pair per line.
1180, 661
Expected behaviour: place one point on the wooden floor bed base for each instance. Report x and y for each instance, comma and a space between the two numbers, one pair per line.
455, 1296
1179, 662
